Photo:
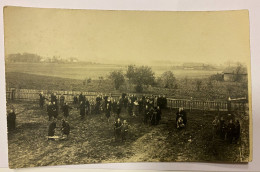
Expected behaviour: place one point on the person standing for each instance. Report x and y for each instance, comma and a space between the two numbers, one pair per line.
41, 100
65, 128
51, 130
11, 120
62, 99
124, 130
87, 106
54, 110
82, 110
117, 129
50, 111
108, 111
158, 115
237, 131
130, 107
222, 126
146, 114
65, 110
118, 109
230, 131
135, 108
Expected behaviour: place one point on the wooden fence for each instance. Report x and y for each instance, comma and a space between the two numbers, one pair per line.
241, 105
29, 94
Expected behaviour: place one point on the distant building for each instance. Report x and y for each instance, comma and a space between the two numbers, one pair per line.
231, 75
197, 66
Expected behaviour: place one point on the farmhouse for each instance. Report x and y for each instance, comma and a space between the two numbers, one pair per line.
231, 75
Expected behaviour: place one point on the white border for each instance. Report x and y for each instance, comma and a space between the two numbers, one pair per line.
158, 5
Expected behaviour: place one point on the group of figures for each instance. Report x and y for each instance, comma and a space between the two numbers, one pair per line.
135, 106
228, 129
148, 108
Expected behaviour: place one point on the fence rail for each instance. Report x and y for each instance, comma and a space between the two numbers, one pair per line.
29, 94
241, 106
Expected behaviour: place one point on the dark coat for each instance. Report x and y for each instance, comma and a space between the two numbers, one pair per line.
11, 118
65, 128
82, 109
65, 109
51, 130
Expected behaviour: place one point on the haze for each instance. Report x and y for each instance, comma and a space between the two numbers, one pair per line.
123, 37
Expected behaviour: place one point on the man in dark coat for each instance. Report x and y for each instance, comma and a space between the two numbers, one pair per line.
146, 114
118, 109
65, 128
82, 110
75, 100
124, 130
153, 116
53, 98
230, 131
130, 107
65, 110
98, 103
222, 127
108, 110
159, 113
237, 131
164, 102
11, 120
51, 130
125, 101
117, 129
62, 99
54, 110
41, 100
87, 106
50, 111
81, 97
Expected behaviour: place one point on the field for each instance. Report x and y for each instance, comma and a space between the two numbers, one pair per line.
92, 140
82, 71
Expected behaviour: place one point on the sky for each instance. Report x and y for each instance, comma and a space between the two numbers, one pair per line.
128, 36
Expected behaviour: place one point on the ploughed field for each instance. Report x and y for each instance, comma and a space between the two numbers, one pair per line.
92, 140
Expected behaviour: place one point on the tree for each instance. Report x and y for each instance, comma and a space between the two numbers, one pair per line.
239, 70
118, 78
168, 80
130, 73
140, 76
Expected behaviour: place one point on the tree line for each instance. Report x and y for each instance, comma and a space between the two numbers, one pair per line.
141, 76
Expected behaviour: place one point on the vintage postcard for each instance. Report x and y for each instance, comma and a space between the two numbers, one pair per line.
93, 86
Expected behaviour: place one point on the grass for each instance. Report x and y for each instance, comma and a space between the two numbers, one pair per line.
92, 140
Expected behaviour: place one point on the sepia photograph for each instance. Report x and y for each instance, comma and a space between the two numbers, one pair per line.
104, 86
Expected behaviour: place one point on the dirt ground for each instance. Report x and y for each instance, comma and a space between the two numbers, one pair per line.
92, 140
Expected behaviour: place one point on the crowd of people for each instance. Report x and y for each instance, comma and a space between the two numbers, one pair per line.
147, 108
228, 129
